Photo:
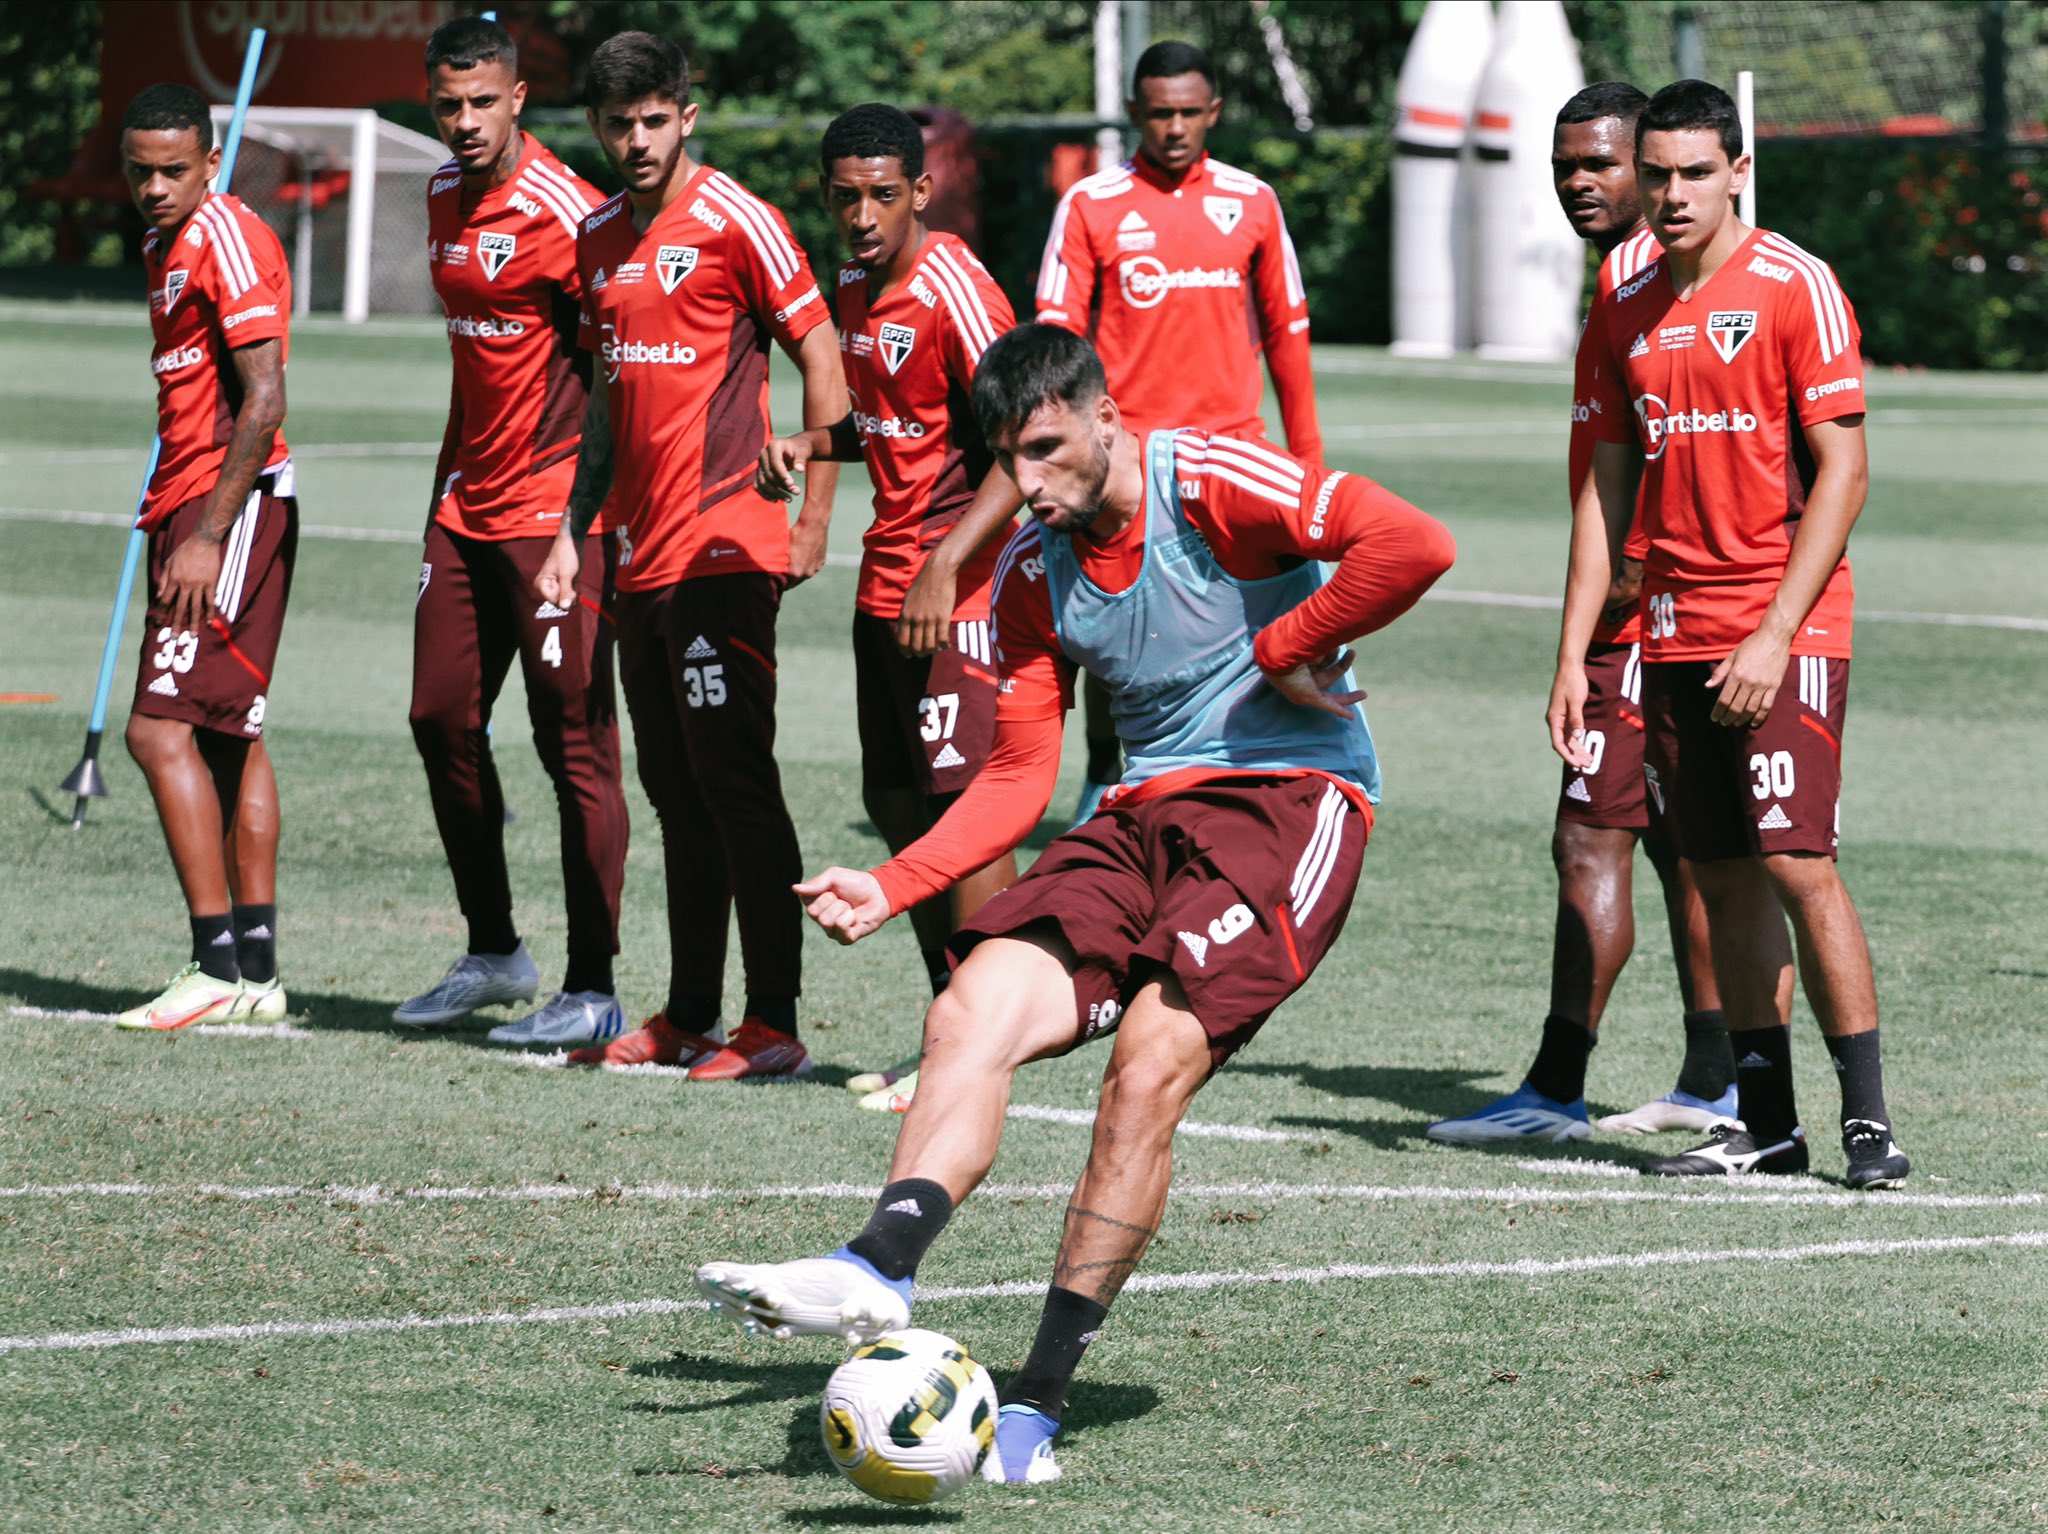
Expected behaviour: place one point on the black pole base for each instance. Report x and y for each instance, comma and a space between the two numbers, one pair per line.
87, 782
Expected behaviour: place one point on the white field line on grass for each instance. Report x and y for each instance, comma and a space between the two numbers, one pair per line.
1154, 1283
847, 561
1772, 1192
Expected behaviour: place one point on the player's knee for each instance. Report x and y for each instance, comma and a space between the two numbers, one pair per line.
1802, 877
1143, 1098
436, 732
960, 1032
149, 740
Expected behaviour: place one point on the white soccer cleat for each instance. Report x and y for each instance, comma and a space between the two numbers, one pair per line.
1524, 1114
567, 1017
868, 1082
1674, 1110
474, 980
261, 1001
811, 1297
193, 996
892, 1099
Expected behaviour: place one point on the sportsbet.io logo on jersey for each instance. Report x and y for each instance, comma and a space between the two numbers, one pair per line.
1661, 423
1146, 281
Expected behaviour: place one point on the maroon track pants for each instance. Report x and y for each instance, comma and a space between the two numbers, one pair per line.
477, 610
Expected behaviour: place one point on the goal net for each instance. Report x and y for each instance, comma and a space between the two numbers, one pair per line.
346, 191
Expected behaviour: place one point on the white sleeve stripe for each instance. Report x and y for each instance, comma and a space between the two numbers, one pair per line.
1247, 466
565, 203
1829, 312
963, 302
759, 222
551, 199
230, 253
1026, 537
970, 292
1256, 487
1285, 470
580, 193
1052, 273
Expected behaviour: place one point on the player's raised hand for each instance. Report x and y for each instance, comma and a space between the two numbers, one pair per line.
556, 582
782, 460
847, 902
1566, 716
1310, 684
926, 626
1746, 681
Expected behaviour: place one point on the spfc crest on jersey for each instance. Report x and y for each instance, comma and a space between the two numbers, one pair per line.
896, 341
494, 250
1224, 212
174, 284
1730, 329
672, 263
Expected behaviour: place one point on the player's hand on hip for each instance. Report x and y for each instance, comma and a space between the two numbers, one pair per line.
556, 582
926, 626
847, 902
782, 460
1311, 685
1566, 716
189, 581
1747, 680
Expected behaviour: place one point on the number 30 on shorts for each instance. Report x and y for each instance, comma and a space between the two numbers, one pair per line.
1773, 775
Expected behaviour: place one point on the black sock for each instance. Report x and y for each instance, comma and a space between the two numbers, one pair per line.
778, 1012
493, 935
1105, 761
1763, 1077
1709, 1067
213, 947
907, 1220
937, 969
1859, 1066
1560, 1069
1068, 1324
256, 942
590, 972
692, 1014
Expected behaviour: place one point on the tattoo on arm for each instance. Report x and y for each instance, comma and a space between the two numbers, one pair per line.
593, 464
260, 371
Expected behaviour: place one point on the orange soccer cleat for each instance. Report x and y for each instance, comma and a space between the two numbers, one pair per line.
655, 1042
755, 1051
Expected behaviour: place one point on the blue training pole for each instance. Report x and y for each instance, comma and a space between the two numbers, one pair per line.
86, 780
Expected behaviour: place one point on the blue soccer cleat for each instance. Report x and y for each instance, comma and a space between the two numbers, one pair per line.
1524, 1114
1023, 1452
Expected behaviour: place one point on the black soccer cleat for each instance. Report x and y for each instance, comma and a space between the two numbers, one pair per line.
1732, 1151
1874, 1160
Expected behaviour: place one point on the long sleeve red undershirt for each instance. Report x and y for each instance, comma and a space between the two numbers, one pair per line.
1386, 552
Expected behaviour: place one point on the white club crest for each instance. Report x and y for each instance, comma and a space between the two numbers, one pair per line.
1728, 329
174, 285
494, 250
896, 341
1224, 212
672, 263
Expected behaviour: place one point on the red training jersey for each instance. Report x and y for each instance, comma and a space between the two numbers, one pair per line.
1261, 512
503, 262
1180, 283
220, 282
1616, 268
680, 318
1715, 389
910, 359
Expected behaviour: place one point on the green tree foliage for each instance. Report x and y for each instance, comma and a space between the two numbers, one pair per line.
49, 97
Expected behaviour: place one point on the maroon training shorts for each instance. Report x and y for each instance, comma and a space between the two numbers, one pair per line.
1239, 886
926, 722
1734, 793
1610, 793
218, 677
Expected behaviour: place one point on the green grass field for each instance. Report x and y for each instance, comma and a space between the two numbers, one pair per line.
343, 1274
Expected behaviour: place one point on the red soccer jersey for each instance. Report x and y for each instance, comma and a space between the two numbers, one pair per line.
910, 360
1716, 389
504, 266
1616, 268
681, 318
1179, 283
1260, 512
219, 283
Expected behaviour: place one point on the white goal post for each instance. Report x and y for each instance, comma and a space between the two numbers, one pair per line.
346, 192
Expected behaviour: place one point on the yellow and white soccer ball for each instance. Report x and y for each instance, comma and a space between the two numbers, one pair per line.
909, 1417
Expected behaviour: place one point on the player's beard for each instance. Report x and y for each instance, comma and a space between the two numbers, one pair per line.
1082, 517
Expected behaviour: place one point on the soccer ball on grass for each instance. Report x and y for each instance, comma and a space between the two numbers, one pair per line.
909, 1417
